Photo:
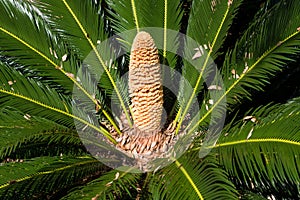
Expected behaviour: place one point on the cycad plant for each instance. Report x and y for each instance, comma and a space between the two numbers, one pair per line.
63, 72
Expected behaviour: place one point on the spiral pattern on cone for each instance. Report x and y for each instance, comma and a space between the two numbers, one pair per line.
145, 84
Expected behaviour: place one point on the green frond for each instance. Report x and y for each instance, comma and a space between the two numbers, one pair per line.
44, 176
271, 42
15, 127
61, 54
37, 137
75, 21
79, 23
111, 185
37, 50
209, 22
167, 14
277, 54
261, 151
17, 91
135, 14
41, 101
104, 84
23, 136
209, 32
53, 143
193, 178
44, 51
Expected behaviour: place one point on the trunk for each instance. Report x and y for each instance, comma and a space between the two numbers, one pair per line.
145, 85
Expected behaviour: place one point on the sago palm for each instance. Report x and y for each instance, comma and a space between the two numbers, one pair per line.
122, 82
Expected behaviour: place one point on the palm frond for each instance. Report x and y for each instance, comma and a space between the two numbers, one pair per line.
134, 14
38, 51
79, 23
17, 91
271, 42
203, 177
111, 185
24, 136
42, 101
149, 15
262, 149
211, 27
53, 143
43, 54
42, 176
85, 36
34, 137
199, 65
278, 52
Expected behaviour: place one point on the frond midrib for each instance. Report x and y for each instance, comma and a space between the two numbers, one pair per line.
188, 177
262, 140
135, 15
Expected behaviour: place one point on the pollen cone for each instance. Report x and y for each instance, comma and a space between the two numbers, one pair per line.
145, 84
